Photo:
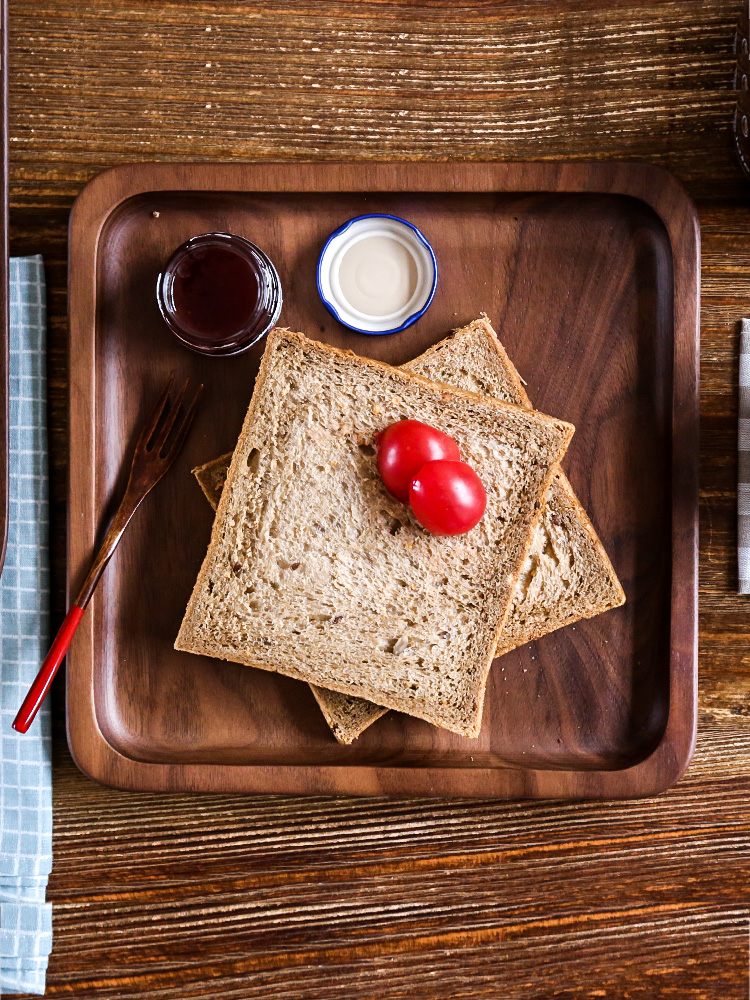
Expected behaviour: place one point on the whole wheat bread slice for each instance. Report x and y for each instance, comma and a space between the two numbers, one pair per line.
314, 571
567, 576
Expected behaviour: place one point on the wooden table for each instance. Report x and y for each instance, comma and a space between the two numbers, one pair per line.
177, 896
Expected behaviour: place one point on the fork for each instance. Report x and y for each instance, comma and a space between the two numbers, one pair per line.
154, 454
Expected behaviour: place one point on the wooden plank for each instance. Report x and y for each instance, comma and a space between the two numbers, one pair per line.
4, 290
687, 849
397, 80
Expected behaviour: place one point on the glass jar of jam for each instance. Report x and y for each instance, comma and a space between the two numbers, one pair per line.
219, 294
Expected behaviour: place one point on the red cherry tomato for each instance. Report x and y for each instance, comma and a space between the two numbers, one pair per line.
447, 498
404, 447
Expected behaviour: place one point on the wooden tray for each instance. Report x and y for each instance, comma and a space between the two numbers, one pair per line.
590, 273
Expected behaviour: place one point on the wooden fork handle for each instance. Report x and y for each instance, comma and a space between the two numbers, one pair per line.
48, 669
63, 639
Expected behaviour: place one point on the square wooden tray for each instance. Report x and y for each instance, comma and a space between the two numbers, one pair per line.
590, 274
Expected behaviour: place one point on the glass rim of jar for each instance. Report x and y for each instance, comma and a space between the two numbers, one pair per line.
258, 324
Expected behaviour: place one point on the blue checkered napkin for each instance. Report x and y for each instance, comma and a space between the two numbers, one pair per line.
25, 768
25, 938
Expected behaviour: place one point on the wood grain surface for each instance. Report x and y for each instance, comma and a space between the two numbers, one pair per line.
4, 303
222, 897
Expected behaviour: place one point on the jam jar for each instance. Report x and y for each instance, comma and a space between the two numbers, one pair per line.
219, 294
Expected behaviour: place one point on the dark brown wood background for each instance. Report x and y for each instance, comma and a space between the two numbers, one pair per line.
221, 897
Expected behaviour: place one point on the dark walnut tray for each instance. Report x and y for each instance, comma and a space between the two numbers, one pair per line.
590, 275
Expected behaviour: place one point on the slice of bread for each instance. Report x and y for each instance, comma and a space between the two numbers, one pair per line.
347, 716
316, 572
567, 575
211, 477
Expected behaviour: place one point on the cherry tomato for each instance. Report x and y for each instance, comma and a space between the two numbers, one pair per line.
404, 447
447, 498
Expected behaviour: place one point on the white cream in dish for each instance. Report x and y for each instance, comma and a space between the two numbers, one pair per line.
377, 274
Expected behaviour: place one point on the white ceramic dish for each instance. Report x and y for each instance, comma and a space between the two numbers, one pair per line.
377, 274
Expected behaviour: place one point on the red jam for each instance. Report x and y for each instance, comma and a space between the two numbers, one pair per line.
219, 293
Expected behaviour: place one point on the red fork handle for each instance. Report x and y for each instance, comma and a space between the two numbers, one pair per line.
47, 671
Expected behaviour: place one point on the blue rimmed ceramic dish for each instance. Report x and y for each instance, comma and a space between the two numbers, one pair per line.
377, 274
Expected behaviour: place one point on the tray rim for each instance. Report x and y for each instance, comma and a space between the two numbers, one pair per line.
654, 186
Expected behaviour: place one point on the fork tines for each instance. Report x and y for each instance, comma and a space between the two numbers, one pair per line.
164, 433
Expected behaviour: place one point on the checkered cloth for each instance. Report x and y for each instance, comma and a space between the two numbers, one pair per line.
25, 767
